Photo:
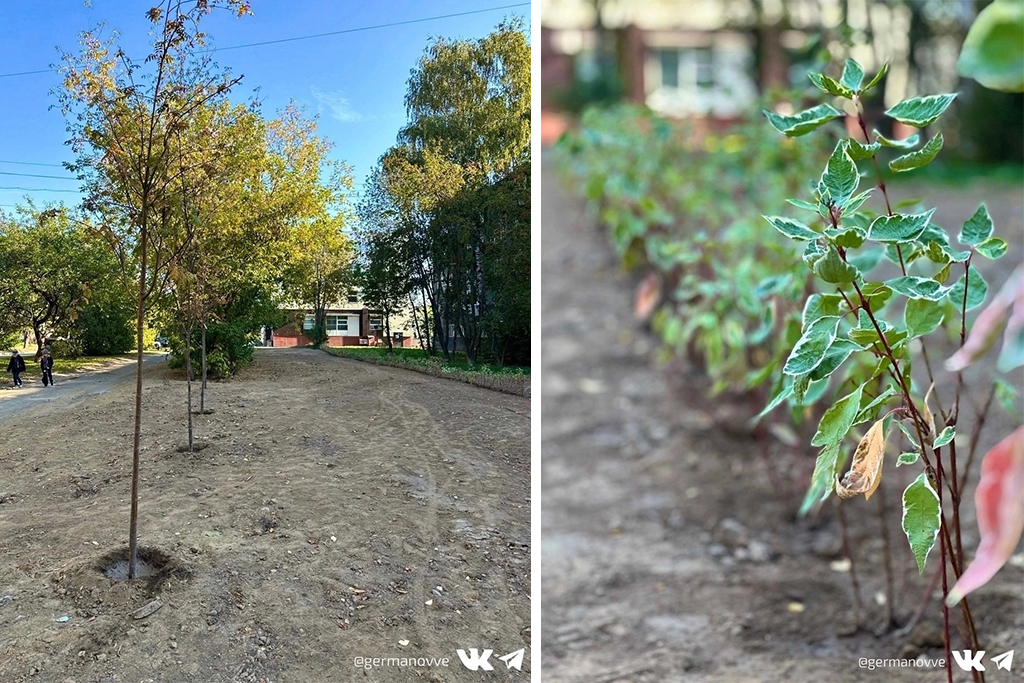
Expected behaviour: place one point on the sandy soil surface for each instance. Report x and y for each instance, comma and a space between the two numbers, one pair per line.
667, 555
338, 510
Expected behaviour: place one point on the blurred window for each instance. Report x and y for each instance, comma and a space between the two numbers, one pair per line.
705, 67
669, 60
686, 69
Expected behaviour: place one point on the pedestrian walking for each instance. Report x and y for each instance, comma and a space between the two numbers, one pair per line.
47, 366
16, 366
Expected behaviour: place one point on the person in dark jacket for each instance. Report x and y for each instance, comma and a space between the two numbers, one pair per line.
16, 366
47, 366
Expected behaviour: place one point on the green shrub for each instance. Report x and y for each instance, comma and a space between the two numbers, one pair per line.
687, 208
66, 348
228, 349
106, 329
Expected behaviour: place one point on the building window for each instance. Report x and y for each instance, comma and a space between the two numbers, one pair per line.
686, 69
337, 324
353, 298
376, 322
669, 61
307, 322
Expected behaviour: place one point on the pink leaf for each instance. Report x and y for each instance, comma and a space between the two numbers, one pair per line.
1000, 503
989, 322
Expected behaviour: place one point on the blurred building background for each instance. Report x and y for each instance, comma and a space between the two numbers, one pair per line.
714, 59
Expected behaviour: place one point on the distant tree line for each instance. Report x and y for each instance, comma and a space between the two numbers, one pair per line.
444, 226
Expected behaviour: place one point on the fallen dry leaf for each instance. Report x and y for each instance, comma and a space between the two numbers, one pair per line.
999, 500
866, 471
648, 295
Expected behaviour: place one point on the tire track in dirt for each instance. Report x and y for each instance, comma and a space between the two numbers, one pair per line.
429, 531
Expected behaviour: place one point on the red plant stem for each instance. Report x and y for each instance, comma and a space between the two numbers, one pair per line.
937, 474
890, 593
972, 447
848, 303
922, 604
955, 494
878, 172
858, 606
945, 583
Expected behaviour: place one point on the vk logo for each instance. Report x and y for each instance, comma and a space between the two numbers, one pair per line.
474, 660
968, 661
971, 661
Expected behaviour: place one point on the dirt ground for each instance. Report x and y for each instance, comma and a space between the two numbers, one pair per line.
68, 388
338, 510
667, 555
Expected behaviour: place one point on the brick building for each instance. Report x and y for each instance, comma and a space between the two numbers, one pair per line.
348, 324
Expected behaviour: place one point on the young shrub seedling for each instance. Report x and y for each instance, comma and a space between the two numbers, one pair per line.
862, 326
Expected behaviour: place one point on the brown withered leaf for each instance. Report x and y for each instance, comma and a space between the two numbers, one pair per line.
926, 413
648, 296
866, 471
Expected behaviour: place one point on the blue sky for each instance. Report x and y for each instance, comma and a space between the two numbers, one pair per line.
356, 81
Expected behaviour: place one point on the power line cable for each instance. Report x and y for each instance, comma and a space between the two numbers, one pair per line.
36, 175
30, 163
35, 189
370, 28
27, 73
329, 33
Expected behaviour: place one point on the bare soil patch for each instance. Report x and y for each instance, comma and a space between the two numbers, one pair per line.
338, 509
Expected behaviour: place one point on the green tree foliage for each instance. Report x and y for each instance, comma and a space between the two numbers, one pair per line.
453, 192
384, 277
53, 263
470, 100
105, 326
320, 271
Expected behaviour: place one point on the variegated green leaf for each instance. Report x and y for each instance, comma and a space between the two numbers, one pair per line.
920, 111
791, 228
830, 85
878, 77
853, 75
921, 518
803, 122
899, 227
921, 157
977, 229
906, 143
810, 349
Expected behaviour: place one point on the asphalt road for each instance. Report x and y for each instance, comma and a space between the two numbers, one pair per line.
67, 390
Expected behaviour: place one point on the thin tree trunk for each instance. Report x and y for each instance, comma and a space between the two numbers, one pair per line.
416, 322
133, 525
188, 383
387, 331
202, 388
